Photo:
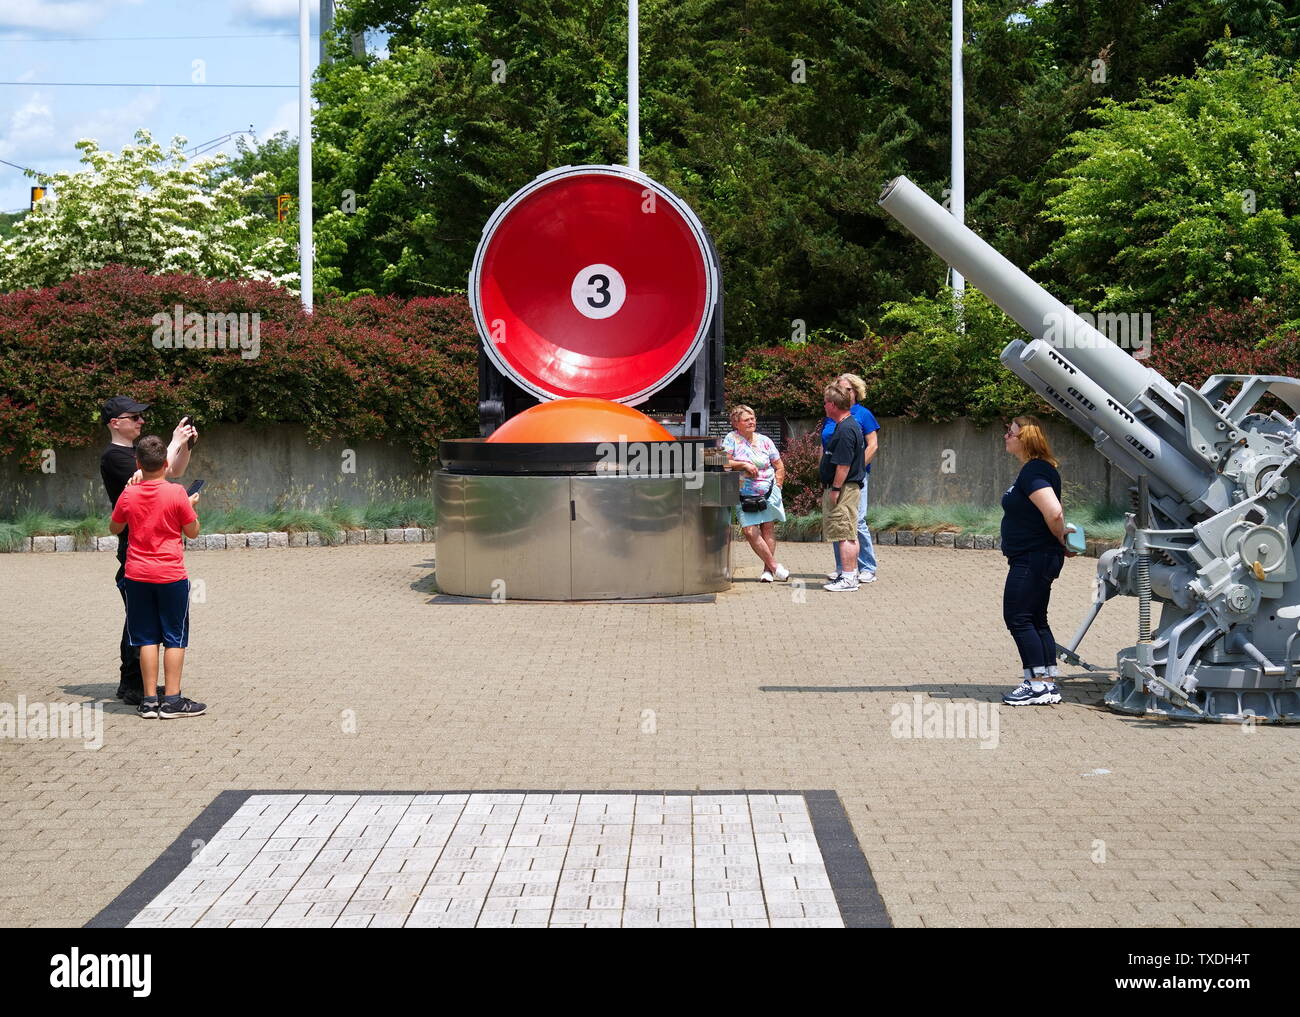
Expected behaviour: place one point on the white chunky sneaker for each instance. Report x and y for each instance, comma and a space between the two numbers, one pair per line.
782, 573
1025, 694
866, 577
845, 584
766, 577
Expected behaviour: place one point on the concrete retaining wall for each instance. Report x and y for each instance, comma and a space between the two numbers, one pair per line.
924, 463
258, 469
262, 469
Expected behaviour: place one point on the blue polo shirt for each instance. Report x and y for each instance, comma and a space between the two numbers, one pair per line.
866, 420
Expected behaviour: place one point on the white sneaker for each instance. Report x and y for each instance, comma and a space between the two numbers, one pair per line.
766, 577
782, 573
832, 576
844, 584
866, 577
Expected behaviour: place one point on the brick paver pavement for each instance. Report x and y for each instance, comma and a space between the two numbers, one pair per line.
329, 668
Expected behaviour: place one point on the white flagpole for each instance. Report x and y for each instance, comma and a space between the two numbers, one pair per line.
958, 141
304, 151
633, 86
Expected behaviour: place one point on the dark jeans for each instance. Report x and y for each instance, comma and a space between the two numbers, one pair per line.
1024, 604
130, 670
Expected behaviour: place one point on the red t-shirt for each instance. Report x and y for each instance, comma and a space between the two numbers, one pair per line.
154, 513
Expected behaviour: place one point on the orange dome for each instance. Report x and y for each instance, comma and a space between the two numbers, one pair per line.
580, 420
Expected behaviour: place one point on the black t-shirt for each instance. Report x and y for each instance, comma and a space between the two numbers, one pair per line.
116, 465
846, 447
1023, 526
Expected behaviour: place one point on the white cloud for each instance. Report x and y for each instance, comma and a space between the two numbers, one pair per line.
284, 119
40, 135
56, 17
272, 13
114, 126
30, 128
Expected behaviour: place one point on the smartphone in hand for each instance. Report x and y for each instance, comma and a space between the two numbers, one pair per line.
189, 443
195, 487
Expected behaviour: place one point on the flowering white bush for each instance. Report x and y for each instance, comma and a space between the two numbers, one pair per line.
151, 209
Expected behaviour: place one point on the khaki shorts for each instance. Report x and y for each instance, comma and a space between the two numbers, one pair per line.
840, 520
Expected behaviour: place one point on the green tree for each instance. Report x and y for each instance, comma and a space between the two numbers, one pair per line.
1268, 25
778, 120
9, 222
271, 166
1189, 198
148, 208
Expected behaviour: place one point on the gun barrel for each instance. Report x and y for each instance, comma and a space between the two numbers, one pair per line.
1036, 310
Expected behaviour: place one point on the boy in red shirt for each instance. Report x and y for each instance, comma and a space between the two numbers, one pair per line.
157, 587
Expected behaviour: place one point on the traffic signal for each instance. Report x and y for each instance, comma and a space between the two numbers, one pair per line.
282, 206
37, 194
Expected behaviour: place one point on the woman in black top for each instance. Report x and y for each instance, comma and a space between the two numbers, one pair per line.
1033, 540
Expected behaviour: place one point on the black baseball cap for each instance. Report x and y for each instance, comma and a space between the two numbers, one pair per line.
120, 406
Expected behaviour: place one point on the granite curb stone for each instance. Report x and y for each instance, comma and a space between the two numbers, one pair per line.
418, 535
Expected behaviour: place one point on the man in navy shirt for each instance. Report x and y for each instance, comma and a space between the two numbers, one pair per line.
841, 469
857, 389
124, 417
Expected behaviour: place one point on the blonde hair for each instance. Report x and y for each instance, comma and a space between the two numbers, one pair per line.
857, 384
738, 411
1033, 440
837, 397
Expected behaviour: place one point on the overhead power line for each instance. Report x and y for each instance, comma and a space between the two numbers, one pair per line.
17, 167
131, 84
148, 38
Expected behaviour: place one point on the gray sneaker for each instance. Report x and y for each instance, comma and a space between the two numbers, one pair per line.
866, 577
845, 584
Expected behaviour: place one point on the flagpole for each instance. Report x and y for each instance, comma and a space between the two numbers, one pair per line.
304, 152
633, 86
958, 142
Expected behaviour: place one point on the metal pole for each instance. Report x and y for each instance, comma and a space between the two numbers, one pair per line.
633, 86
958, 142
1144, 561
326, 24
304, 151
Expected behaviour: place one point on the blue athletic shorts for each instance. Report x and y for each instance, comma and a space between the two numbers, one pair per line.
158, 613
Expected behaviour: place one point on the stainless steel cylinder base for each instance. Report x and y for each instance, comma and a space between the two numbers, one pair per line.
526, 537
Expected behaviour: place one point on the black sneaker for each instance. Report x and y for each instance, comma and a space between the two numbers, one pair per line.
133, 697
147, 709
181, 708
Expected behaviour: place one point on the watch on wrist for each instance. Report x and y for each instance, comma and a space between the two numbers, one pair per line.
835, 489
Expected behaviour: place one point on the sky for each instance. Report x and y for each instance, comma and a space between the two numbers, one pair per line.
93, 43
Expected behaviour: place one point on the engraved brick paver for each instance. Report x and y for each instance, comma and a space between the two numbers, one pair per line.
330, 669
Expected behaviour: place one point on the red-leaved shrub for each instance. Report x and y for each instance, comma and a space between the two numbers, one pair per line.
802, 491
374, 367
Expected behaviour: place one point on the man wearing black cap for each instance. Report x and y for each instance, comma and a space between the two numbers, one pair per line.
124, 418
